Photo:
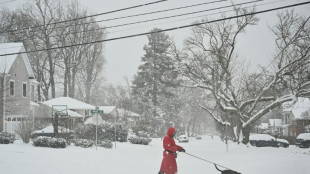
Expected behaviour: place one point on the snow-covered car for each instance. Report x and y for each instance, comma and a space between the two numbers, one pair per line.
183, 139
282, 143
303, 140
265, 140
198, 137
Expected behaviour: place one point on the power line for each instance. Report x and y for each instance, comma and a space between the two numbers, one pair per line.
99, 14
256, 5
155, 19
164, 22
73, 25
164, 30
154, 12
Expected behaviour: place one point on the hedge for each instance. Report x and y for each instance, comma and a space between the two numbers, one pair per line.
49, 142
6, 138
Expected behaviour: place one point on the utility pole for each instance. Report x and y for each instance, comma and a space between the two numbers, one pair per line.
96, 130
115, 133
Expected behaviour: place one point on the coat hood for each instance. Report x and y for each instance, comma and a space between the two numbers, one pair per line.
170, 131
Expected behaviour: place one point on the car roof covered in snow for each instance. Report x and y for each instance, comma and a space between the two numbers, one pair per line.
304, 136
265, 137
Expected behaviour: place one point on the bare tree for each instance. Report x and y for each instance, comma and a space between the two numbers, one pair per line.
210, 62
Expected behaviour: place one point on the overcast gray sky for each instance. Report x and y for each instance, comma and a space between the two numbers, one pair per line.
123, 56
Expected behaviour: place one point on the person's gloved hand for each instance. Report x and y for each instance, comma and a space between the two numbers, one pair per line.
181, 150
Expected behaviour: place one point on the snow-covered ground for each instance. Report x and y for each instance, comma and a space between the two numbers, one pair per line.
19, 158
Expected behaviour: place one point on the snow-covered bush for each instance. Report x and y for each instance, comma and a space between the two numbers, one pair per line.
106, 144
140, 140
6, 138
105, 132
49, 142
48, 131
84, 143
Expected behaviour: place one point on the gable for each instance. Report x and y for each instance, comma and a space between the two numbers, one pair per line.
6, 62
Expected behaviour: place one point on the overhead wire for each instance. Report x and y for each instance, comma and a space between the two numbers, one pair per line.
122, 17
84, 17
156, 19
163, 30
221, 12
200, 16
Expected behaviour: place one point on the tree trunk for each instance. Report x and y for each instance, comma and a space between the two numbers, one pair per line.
72, 86
66, 82
246, 134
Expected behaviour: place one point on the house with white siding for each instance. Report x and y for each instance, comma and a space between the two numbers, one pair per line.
17, 86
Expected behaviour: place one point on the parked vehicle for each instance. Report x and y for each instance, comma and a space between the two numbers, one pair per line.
264, 140
282, 143
198, 137
183, 139
303, 140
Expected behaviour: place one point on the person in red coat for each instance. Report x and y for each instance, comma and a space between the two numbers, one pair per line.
169, 164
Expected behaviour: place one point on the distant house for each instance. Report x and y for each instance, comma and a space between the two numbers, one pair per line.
17, 86
77, 111
296, 117
275, 126
263, 128
120, 115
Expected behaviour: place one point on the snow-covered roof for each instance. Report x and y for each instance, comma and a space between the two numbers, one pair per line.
107, 109
299, 108
34, 104
93, 120
305, 136
261, 137
70, 102
275, 122
123, 112
74, 114
50, 129
6, 62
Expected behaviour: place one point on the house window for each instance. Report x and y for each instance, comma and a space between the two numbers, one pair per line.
287, 119
12, 86
24, 90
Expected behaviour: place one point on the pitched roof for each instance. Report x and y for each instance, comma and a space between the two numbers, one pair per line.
6, 62
70, 102
107, 109
301, 106
123, 112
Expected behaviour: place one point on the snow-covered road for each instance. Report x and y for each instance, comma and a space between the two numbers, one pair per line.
19, 158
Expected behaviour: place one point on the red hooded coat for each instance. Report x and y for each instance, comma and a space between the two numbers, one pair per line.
169, 165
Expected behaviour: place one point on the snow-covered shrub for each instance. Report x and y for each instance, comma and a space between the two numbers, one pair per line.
48, 131
108, 130
6, 138
105, 132
106, 144
49, 142
140, 140
84, 143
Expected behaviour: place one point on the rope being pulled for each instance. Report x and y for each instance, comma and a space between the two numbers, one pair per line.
209, 161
